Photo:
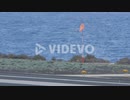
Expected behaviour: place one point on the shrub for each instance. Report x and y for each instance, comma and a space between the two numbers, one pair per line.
93, 59
59, 60
22, 56
3, 55
76, 58
38, 57
11, 56
88, 59
53, 59
123, 61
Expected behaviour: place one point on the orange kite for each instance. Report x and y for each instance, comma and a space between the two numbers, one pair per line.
82, 26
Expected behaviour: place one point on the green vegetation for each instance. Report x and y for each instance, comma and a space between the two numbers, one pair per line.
76, 58
51, 67
38, 64
12, 56
38, 57
22, 56
124, 61
88, 59
53, 59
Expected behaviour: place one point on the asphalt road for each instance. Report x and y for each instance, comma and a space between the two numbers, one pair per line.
26, 79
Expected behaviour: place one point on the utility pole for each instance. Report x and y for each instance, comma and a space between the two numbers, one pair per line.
82, 26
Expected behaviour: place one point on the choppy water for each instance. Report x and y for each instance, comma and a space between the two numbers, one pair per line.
108, 32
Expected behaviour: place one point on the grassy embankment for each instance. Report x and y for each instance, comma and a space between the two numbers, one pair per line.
38, 64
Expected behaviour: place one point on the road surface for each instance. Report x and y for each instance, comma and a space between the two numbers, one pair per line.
24, 79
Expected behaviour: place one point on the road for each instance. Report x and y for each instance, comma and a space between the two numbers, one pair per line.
26, 79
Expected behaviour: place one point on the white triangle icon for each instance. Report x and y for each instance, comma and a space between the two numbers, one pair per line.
39, 49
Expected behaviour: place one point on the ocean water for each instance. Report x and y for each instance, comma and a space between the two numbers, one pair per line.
108, 32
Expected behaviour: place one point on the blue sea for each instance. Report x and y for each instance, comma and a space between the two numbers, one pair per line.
108, 32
